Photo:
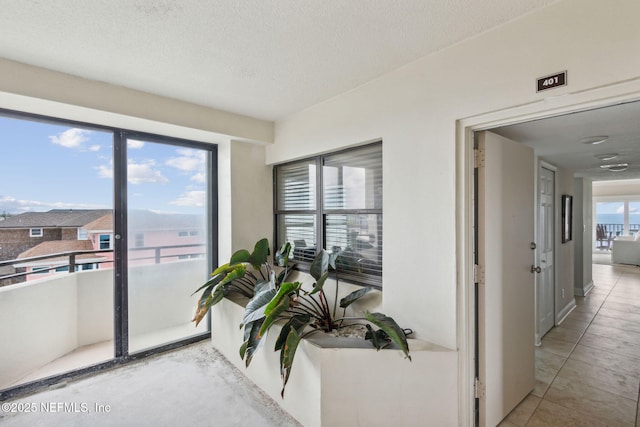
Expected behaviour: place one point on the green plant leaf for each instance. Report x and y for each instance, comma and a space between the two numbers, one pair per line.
319, 284
252, 341
283, 292
298, 322
254, 309
332, 259
392, 329
282, 256
287, 354
319, 265
260, 254
202, 307
354, 296
261, 285
219, 292
240, 256
273, 316
225, 268
378, 338
213, 281
238, 271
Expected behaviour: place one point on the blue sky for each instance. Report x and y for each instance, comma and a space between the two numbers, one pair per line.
45, 166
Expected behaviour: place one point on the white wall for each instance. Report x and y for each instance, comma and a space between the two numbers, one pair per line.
251, 196
629, 187
42, 320
351, 386
38, 323
414, 111
95, 308
582, 232
565, 257
37, 90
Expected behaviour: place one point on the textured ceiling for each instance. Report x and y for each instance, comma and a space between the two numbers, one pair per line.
558, 140
262, 58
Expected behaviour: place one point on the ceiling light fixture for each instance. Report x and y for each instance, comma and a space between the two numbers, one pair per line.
619, 167
594, 140
606, 156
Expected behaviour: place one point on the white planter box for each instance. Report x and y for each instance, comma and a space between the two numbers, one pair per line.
331, 386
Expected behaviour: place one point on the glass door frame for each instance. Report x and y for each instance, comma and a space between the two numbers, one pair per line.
121, 285
121, 335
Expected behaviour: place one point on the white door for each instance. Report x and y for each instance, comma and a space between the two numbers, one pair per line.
506, 325
545, 286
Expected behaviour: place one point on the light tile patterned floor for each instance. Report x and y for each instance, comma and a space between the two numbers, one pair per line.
588, 368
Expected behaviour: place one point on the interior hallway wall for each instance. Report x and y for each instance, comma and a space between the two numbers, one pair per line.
415, 111
565, 252
583, 236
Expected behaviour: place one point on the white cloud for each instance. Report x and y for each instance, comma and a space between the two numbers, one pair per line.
72, 138
105, 171
13, 205
94, 148
620, 209
138, 173
196, 198
135, 144
188, 160
200, 177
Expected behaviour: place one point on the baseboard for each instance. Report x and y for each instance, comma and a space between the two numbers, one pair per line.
583, 290
565, 311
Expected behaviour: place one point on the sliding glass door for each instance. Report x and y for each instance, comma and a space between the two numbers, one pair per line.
168, 234
104, 236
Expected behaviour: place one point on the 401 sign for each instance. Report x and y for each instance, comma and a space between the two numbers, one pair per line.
554, 80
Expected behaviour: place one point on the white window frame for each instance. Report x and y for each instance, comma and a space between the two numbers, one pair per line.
34, 233
100, 241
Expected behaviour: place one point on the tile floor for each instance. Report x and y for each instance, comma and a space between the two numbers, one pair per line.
588, 368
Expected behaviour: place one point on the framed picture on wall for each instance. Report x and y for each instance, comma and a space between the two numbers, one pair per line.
567, 218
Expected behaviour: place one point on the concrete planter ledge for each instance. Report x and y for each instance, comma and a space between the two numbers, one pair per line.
346, 382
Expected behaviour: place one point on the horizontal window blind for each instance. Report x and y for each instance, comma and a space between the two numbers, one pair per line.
345, 220
297, 186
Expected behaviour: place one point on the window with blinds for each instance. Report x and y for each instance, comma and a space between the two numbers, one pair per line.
334, 201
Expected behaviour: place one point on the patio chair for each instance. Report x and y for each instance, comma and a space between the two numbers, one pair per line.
602, 237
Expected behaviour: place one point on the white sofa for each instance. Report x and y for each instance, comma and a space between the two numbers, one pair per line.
625, 250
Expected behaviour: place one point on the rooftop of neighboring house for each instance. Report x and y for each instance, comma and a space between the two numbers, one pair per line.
102, 220
104, 223
59, 246
55, 218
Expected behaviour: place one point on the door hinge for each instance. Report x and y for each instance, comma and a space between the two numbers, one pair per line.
479, 389
478, 158
478, 274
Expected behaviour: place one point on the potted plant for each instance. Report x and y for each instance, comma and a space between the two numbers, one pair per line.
272, 299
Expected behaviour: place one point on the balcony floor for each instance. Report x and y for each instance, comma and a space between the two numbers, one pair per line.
103, 351
194, 385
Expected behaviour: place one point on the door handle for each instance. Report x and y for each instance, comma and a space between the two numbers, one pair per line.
535, 269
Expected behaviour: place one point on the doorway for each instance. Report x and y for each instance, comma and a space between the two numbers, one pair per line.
545, 254
469, 225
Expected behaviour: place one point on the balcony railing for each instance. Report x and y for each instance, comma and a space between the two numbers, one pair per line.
614, 230
59, 315
155, 253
